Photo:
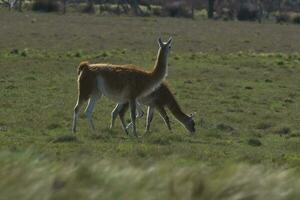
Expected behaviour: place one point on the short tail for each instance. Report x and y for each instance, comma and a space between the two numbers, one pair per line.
82, 66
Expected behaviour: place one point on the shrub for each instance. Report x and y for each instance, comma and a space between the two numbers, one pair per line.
202, 13
156, 11
177, 10
89, 8
247, 13
283, 18
227, 14
254, 142
117, 10
296, 19
283, 130
45, 5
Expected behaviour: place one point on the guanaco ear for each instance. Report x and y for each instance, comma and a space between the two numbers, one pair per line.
160, 43
170, 41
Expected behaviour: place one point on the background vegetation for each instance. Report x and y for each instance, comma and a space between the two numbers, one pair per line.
283, 11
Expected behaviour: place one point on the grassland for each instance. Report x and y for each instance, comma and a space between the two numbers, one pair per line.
241, 78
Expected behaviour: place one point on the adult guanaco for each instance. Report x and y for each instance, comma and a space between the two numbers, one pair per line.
121, 83
160, 98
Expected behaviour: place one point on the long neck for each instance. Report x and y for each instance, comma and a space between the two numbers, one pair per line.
160, 68
177, 112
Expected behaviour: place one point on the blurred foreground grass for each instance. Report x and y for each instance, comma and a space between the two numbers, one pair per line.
27, 177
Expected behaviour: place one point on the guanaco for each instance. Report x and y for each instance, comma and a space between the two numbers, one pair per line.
159, 99
120, 83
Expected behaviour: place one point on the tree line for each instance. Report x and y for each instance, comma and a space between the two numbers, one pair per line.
232, 9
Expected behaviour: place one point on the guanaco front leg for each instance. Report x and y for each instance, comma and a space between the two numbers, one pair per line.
165, 117
114, 114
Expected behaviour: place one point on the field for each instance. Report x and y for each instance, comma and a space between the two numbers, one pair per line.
241, 79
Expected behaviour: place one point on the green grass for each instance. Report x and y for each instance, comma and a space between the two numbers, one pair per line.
246, 103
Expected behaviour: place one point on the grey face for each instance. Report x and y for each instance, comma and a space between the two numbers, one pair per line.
165, 46
191, 125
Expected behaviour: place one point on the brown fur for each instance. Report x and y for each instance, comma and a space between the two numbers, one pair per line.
86, 81
82, 66
136, 80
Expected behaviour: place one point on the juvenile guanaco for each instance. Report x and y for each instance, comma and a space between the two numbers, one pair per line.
159, 99
121, 83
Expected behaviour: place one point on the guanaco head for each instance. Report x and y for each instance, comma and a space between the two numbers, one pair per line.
190, 123
165, 46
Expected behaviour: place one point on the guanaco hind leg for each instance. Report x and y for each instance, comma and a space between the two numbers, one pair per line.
76, 113
89, 109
